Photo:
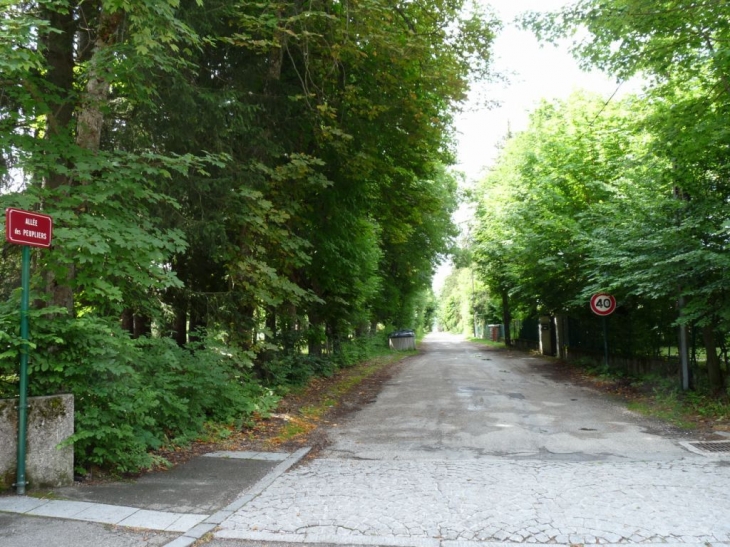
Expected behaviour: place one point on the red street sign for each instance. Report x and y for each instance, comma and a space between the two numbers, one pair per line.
603, 304
28, 228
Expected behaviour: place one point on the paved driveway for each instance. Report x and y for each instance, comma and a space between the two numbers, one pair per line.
469, 447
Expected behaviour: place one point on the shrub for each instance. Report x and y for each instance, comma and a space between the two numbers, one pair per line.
134, 396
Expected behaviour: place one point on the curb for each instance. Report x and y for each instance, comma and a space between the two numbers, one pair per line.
210, 523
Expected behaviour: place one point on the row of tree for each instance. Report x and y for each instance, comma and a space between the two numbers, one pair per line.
273, 174
628, 196
232, 158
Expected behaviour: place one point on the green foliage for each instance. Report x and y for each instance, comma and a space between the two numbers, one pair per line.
133, 396
670, 205
626, 37
529, 236
464, 298
489, 343
425, 312
287, 370
273, 174
683, 409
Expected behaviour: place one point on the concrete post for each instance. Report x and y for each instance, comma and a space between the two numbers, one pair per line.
546, 343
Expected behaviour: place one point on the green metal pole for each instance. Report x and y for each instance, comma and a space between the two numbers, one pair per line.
605, 341
23, 400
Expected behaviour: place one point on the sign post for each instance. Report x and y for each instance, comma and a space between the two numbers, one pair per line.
603, 305
29, 230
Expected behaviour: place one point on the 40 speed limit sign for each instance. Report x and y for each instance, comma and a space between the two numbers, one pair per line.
603, 304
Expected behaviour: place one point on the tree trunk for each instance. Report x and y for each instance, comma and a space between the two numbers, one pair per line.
714, 372
289, 327
334, 342
314, 342
142, 326
245, 327
197, 321
180, 324
90, 117
270, 324
276, 55
363, 329
127, 320
506, 318
59, 56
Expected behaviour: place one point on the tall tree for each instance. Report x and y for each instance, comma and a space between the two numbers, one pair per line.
680, 48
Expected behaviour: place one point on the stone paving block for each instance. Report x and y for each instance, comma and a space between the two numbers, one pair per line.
60, 509
232, 455
107, 514
182, 541
200, 530
20, 504
463, 543
273, 456
153, 520
610, 537
237, 504
384, 541
244, 455
185, 523
260, 536
220, 516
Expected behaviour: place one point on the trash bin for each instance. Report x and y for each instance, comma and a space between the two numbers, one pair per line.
402, 340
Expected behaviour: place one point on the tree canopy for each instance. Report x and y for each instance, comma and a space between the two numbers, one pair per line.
270, 177
623, 195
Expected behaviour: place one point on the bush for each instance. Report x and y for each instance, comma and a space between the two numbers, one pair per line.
134, 396
282, 370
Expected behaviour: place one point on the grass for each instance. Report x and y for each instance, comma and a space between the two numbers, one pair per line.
489, 343
294, 428
345, 380
684, 409
666, 412
660, 397
699, 407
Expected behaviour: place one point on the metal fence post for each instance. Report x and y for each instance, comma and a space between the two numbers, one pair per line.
25, 349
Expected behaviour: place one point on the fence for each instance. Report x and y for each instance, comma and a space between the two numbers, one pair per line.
638, 344
526, 333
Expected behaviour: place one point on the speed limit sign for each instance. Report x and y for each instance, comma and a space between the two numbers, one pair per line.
603, 304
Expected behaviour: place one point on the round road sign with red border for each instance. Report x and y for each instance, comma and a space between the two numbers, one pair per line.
603, 304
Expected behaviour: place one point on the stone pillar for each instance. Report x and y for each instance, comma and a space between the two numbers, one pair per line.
561, 335
50, 422
546, 343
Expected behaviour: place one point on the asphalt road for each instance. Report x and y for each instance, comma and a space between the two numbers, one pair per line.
466, 446
460, 401
470, 447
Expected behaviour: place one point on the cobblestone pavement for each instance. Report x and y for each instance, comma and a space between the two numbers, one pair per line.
369, 490
493, 501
